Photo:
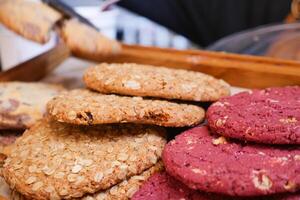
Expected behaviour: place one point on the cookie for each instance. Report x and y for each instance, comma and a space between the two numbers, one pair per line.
151, 81
86, 107
32, 20
264, 116
88, 43
57, 160
22, 104
164, 187
121, 191
213, 164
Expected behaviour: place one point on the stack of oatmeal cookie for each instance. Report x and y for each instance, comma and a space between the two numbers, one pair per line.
98, 143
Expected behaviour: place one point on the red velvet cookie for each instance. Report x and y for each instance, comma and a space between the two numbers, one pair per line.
213, 164
164, 187
265, 116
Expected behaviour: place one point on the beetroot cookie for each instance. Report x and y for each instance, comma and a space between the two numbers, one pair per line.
213, 164
164, 187
264, 116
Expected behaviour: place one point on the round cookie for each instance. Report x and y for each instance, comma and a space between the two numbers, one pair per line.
87, 107
213, 164
164, 187
57, 160
264, 116
152, 81
121, 191
22, 104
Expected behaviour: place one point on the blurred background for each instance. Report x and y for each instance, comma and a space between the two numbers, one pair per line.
248, 27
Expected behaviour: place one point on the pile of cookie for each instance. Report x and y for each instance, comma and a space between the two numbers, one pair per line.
97, 143
249, 149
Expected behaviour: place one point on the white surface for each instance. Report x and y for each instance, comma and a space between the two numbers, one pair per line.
14, 49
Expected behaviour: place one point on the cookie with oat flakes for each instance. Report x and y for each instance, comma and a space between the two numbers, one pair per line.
22, 104
86, 107
121, 191
58, 160
211, 163
151, 81
30, 19
269, 116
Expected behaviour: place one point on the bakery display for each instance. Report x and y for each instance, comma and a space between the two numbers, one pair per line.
117, 138
264, 116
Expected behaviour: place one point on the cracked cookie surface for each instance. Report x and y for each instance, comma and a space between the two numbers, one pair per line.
87, 107
264, 116
213, 164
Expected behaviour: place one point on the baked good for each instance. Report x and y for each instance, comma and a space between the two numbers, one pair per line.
151, 81
57, 160
164, 187
213, 164
264, 116
121, 191
22, 104
32, 20
88, 43
86, 107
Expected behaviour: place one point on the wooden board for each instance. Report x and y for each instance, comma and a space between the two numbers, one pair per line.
238, 70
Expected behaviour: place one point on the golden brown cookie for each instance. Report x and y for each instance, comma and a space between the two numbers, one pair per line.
22, 104
56, 160
30, 19
151, 81
87, 42
87, 107
121, 191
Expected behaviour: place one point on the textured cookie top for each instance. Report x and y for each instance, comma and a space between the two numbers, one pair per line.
213, 164
55, 160
121, 191
86, 107
22, 104
32, 20
146, 80
164, 187
87, 42
264, 116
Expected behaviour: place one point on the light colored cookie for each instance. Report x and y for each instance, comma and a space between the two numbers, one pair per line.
87, 107
30, 19
87, 42
121, 191
56, 160
22, 104
151, 81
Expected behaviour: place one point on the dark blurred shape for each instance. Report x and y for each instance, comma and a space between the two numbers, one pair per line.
204, 21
